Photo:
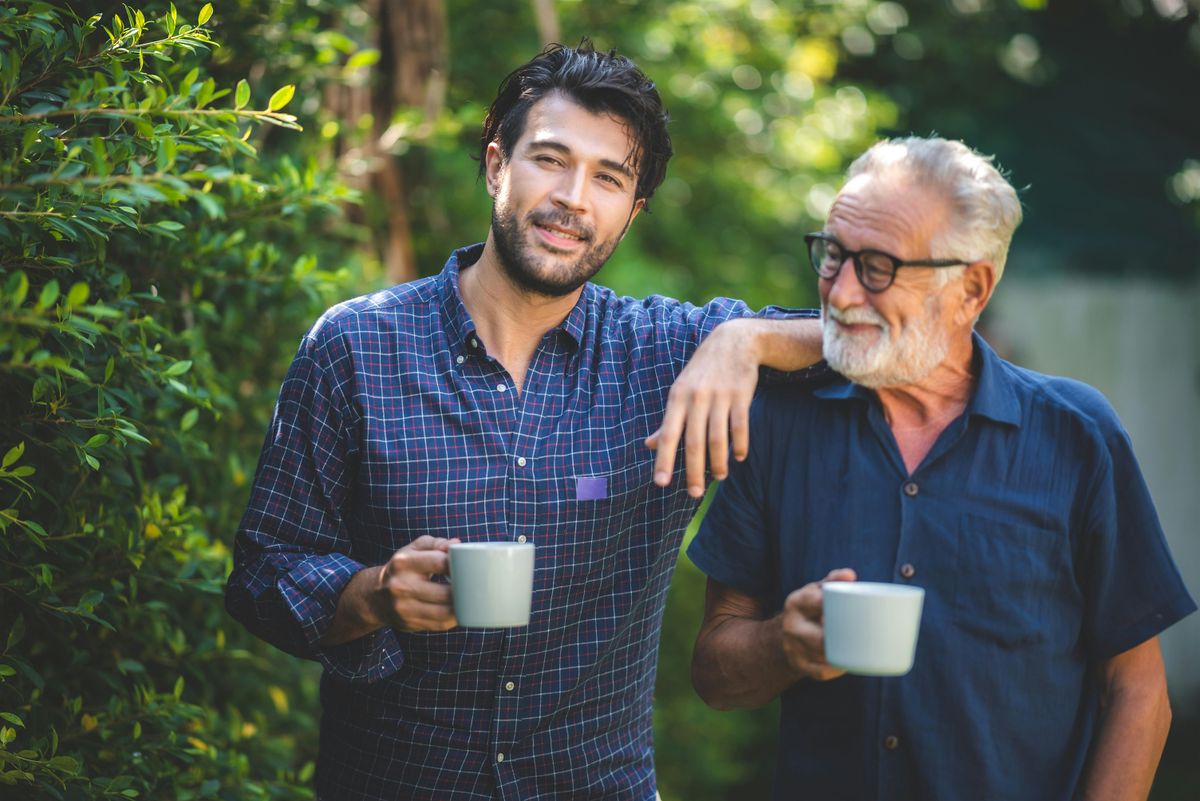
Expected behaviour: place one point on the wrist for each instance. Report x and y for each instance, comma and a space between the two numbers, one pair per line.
372, 593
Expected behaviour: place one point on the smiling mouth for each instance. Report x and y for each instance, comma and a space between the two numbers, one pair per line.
560, 233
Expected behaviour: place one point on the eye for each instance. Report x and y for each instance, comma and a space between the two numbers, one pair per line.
548, 160
878, 268
610, 179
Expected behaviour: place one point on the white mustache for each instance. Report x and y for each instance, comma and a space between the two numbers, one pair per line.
857, 315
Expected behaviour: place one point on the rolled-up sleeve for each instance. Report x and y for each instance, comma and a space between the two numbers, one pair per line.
683, 326
292, 551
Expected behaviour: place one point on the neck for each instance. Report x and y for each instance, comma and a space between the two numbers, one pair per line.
918, 413
511, 321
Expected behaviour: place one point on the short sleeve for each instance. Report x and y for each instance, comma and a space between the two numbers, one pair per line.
733, 545
1134, 588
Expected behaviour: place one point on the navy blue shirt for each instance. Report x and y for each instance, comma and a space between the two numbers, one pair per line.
393, 422
1032, 531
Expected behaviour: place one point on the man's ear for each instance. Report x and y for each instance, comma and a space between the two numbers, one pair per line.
494, 158
638, 205
979, 281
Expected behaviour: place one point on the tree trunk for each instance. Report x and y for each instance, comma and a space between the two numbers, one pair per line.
547, 21
411, 73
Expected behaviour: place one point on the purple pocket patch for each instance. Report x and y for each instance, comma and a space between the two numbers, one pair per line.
591, 488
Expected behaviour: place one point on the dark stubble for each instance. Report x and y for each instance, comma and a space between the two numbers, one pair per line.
529, 269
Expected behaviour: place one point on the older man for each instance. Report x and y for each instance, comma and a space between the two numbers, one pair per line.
1013, 498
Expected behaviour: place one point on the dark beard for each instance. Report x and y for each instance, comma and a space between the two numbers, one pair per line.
519, 262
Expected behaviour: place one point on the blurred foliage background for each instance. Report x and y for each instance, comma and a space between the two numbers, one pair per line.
184, 188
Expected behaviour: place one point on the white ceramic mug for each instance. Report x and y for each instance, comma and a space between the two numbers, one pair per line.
492, 583
870, 627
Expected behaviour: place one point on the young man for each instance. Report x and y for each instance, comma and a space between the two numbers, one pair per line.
1012, 498
505, 399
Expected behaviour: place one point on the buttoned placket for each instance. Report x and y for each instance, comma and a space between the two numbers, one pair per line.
537, 405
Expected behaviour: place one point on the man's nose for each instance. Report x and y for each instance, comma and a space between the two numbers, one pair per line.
844, 289
570, 192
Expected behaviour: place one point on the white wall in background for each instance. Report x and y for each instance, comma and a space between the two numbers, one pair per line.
1139, 344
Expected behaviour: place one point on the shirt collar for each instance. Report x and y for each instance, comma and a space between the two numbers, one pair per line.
460, 328
994, 396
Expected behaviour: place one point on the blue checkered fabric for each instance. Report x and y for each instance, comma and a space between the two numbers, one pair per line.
394, 422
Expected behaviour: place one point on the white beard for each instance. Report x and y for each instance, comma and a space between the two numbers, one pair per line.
876, 360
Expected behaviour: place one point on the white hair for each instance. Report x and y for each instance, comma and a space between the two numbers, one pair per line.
984, 209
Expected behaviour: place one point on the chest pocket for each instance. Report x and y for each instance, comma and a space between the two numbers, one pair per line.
1009, 581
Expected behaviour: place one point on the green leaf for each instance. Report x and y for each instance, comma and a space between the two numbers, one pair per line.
169, 225
65, 764
14, 453
48, 296
96, 441
178, 686
13, 719
281, 98
178, 368
108, 368
92, 461
189, 419
242, 95
78, 294
20, 290
7, 670
205, 14
363, 58
16, 632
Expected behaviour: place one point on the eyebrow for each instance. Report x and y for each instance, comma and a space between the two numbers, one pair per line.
559, 147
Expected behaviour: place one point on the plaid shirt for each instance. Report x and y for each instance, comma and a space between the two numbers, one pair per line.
394, 422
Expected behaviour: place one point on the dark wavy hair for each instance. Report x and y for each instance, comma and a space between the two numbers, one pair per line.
601, 83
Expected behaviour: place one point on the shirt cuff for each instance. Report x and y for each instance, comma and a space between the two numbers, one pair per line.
311, 591
1149, 626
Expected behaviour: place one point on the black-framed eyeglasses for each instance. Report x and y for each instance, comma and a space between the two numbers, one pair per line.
875, 269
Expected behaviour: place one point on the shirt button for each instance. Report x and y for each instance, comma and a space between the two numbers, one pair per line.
510, 686
474, 342
907, 571
500, 757
460, 359
522, 538
520, 461
500, 387
911, 489
891, 742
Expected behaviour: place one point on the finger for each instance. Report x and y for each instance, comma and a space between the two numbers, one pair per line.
696, 444
428, 562
668, 438
806, 601
418, 616
718, 441
739, 429
425, 592
841, 574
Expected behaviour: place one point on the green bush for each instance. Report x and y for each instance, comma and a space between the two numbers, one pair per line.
155, 276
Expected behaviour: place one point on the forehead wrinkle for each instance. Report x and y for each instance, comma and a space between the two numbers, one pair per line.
898, 219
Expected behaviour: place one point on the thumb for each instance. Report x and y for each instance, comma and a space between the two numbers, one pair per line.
841, 574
